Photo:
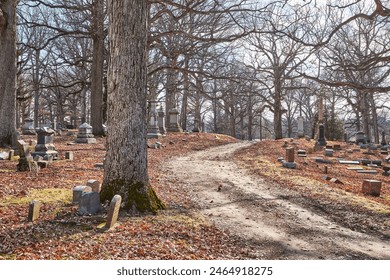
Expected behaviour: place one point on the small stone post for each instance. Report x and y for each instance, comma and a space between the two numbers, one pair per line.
113, 212
33, 211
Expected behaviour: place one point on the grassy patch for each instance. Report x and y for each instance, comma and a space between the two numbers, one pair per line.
43, 195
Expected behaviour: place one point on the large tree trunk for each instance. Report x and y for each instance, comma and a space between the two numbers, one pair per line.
7, 71
97, 67
125, 167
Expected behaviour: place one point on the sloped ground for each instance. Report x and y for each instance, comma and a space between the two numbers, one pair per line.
278, 221
177, 233
228, 202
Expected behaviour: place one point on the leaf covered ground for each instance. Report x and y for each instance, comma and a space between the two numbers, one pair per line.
176, 233
341, 201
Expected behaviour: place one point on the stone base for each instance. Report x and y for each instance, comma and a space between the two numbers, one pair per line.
154, 135
174, 128
290, 165
43, 154
85, 140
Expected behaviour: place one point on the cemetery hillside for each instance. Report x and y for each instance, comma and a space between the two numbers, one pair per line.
195, 130
236, 202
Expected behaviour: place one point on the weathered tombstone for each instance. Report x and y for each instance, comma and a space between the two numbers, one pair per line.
290, 163
360, 138
321, 160
196, 126
99, 165
300, 131
290, 154
89, 203
24, 156
69, 155
153, 128
365, 161
173, 125
28, 127
78, 191
33, 211
95, 185
383, 142
161, 121
85, 136
367, 171
328, 152
301, 153
321, 135
45, 144
11, 154
113, 211
372, 187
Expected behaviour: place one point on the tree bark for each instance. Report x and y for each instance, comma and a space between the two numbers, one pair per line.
125, 167
7, 71
97, 67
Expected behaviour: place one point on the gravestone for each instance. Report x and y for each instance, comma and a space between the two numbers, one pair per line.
372, 187
69, 155
328, 152
173, 117
300, 130
367, 171
85, 136
33, 211
45, 144
360, 138
11, 154
89, 203
28, 127
290, 154
153, 128
24, 156
384, 142
321, 135
196, 126
301, 153
349, 162
365, 161
78, 191
113, 211
321, 160
337, 147
386, 170
290, 163
161, 121
95, 185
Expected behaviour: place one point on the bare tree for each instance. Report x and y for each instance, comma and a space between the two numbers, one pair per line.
125, 170
7, 70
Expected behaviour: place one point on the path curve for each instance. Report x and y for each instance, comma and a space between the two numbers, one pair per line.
261, 215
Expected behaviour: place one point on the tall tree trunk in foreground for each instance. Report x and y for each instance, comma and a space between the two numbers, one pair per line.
125, 169
7, 70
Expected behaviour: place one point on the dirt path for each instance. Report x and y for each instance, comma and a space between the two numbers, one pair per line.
262, 215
